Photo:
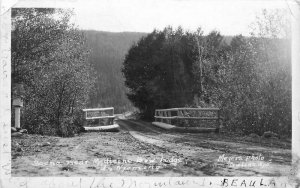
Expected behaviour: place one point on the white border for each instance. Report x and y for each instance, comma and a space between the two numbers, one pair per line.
296, 87
5, 141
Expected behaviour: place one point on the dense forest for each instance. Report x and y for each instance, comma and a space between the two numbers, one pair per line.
107, 52
248, 79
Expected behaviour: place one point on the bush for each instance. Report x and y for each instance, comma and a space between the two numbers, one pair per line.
54, 70
255, 94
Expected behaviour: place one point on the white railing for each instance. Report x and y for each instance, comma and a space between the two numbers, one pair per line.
187, 113
99, 113
103, 113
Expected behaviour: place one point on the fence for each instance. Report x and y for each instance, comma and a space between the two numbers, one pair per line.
99, 113
187, 114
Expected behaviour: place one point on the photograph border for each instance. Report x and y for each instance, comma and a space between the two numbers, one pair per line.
5, 123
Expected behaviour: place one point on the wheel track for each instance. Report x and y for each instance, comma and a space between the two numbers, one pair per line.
148, 134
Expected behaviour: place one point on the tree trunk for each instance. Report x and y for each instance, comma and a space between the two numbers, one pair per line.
60, 104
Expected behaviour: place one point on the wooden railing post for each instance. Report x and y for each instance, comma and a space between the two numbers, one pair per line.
84, 117
218, 121
180, 113
159, 116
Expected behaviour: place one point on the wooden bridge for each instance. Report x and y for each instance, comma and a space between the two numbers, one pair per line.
100, 114
164, 118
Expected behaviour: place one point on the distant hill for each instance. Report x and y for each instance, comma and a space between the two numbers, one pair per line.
108, 51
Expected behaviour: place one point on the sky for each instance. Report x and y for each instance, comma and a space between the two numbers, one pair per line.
230, 17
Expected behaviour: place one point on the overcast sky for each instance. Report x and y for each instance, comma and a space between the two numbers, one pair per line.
230, 17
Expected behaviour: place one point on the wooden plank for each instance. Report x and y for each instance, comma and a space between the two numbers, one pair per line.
165, 114
184, 129
179, 117
184, 114
169, 115
180, 113
193, 130
101, 117
160, 114
200, 118
102, 128
98, 109
196, 109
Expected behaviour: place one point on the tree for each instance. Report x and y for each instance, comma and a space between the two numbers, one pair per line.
256, 80
49, 57
273, 57
213, 54
35, 33
159, 70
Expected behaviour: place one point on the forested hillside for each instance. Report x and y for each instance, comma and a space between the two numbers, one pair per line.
107, 54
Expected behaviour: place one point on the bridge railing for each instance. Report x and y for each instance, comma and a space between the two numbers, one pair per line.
167, 115
99, 113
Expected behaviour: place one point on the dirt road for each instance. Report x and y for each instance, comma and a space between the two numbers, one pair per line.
141, 149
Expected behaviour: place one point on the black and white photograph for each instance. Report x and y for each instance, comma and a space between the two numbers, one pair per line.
149, 88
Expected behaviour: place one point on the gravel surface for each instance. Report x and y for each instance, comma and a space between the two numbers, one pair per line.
141, 149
